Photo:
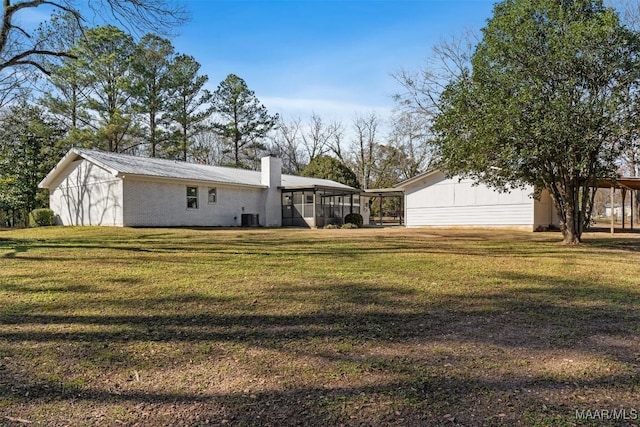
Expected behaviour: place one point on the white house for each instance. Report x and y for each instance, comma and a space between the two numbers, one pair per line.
432, 199
89, 187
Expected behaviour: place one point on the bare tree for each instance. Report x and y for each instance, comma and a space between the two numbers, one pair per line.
286, 144
15, 85
410, 135
317, 137
336, 140
366, 136
208, 149
298, 143
631, 156
21, 46
422, 88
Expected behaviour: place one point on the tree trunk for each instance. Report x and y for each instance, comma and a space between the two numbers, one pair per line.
152, 133
572, 227
184, 143
236, 149
572, 230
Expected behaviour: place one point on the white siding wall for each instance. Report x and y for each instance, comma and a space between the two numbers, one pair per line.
88, 195
163, 204
271, 176
545, 212
438, 201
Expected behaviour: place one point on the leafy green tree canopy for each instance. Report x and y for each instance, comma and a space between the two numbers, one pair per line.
30, 146
547, 102
327, 167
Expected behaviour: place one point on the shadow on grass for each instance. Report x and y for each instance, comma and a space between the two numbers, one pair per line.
542, 314
427, 401
619, 244
37, 289
271, 244
552, 314
16, 250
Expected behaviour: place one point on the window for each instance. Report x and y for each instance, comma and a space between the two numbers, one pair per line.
192, 197
213, 196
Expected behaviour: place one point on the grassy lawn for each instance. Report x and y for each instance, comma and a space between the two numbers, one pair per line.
104, 326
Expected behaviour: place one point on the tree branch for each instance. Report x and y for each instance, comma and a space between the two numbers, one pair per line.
19, 59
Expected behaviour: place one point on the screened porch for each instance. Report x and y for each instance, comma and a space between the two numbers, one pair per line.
317, 206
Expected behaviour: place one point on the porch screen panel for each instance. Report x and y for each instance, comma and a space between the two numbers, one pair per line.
308, 205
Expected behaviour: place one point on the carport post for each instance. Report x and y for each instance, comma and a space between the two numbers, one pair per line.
623, 191
612, 210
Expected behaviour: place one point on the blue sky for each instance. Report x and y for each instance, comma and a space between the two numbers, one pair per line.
331, 57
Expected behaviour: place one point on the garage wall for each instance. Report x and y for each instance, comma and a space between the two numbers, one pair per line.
87, 195
441, 201
164, 203
545, 212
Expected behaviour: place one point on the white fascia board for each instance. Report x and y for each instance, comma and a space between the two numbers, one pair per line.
185, 180
411, 181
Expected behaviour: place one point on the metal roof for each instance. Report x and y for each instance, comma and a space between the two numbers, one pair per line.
124, 164
631, 183
300, 182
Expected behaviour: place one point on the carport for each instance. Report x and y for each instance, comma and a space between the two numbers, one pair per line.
627, 186
380, 194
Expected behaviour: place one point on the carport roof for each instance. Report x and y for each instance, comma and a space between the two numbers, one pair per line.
386, 192
628, 182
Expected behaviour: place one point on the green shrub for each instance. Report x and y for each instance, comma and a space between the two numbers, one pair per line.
41, 218
354, 218
331, 227
349, 225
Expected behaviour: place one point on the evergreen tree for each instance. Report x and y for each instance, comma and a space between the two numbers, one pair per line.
67, 90
189, 106
30, 146
104, 60
151, 68
242, 121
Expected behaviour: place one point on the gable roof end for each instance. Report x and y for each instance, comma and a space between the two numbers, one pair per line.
71, 156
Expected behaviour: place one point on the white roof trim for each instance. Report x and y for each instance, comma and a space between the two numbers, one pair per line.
424, 175
186, 180
120, 165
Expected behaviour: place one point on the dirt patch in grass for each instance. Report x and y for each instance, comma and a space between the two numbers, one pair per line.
317, 327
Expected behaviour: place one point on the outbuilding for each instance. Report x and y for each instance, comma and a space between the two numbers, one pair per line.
91, 187
433, 199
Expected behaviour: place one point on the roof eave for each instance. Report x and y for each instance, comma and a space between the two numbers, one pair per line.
122, 175
69, 158
350, 190
404, 184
